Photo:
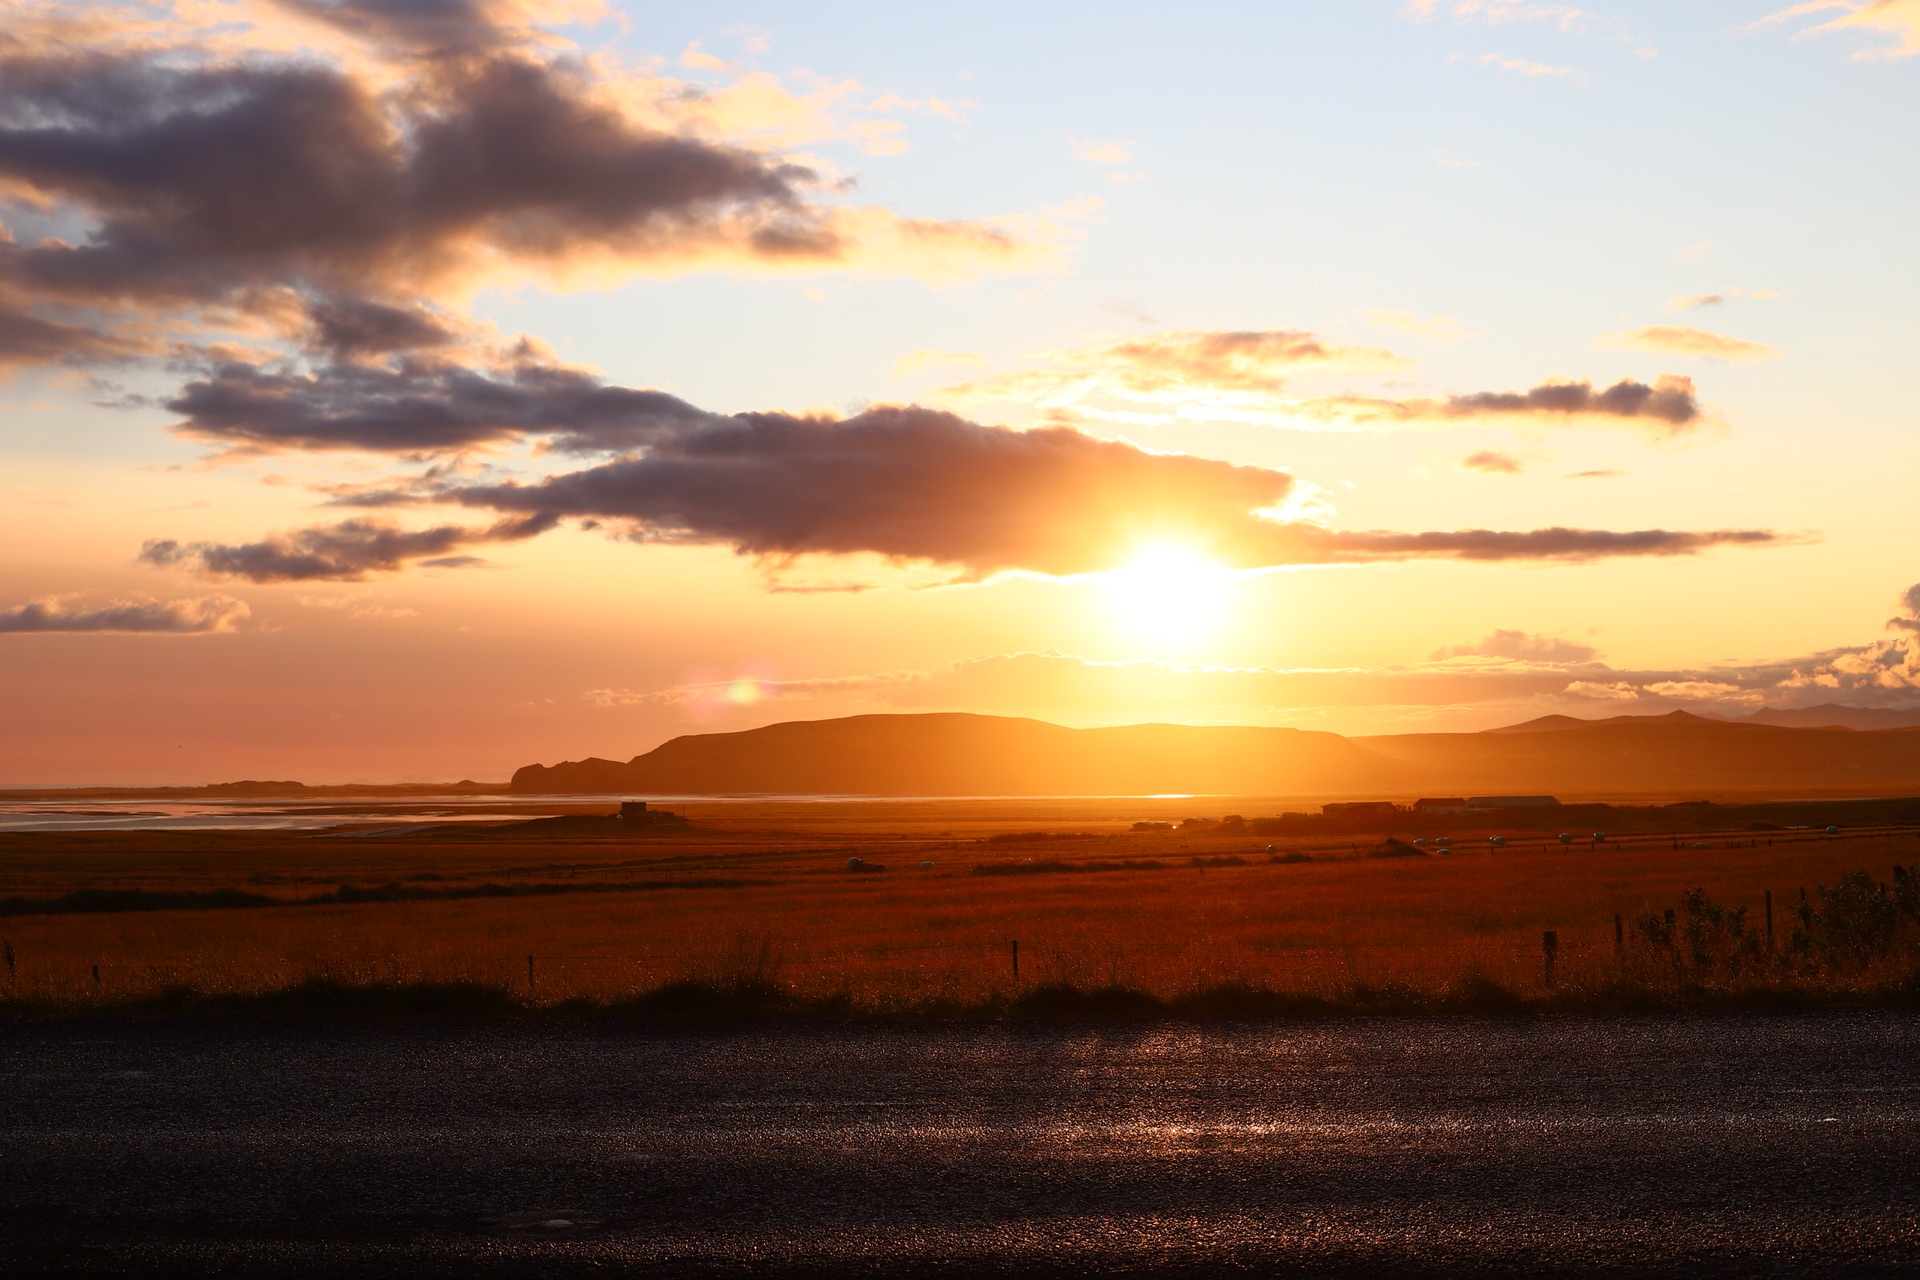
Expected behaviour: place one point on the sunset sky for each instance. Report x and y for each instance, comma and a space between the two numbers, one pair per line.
415, 389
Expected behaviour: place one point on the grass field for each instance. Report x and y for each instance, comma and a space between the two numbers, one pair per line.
747, 906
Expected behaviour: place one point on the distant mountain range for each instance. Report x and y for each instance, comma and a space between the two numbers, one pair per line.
955, 754
1833, 716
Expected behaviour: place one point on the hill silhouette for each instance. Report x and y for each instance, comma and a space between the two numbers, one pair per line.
952, 754
1667, 754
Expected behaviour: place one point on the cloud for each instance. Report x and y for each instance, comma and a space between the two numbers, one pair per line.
1434, 328
1176, 376
907, 484
203, 615
1524, 67
1521, 647
421, 405
1694, 301
1898, 19
1118, 151
1682, 340
1565, 18
28, 339
919, 485
1573, 545
928, 358
1909, 619
1245, 377
1493, 463
345, 552
1668, 407
464, 26
429, 149
357, 328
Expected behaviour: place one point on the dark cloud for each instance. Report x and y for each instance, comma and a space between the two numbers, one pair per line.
423, 405
356, 327
909, 483
1670, 400
205, 181
442, 25
202, 616
345, 552
921, 485
1669, 406
27, 339
1910, 605
222, 175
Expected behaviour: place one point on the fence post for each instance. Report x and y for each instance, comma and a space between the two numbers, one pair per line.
1016, 959
1619, 934
1673, 939
529, 975
96, 977
1769, 922
1550, 946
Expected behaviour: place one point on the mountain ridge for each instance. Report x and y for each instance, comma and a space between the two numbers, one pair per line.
961, 754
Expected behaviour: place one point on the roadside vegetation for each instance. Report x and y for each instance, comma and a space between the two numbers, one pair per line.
810, 924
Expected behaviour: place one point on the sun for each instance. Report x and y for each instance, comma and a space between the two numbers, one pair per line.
1168, 596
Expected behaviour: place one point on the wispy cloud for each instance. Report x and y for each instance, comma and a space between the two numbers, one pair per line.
1197, 377
929, 358
1112, 151
1682, 340
1898, 20
1524, 67
1493, 463
1521, 646
1718, 298
1564, 18
1433, 328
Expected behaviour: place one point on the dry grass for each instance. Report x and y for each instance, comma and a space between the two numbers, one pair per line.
1342, 930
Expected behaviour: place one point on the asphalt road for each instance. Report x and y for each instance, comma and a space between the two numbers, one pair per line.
1750, 1145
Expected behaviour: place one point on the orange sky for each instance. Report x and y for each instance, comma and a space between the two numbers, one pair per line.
406, 390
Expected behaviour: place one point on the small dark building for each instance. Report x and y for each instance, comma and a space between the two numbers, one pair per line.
1440, 804
633, 810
